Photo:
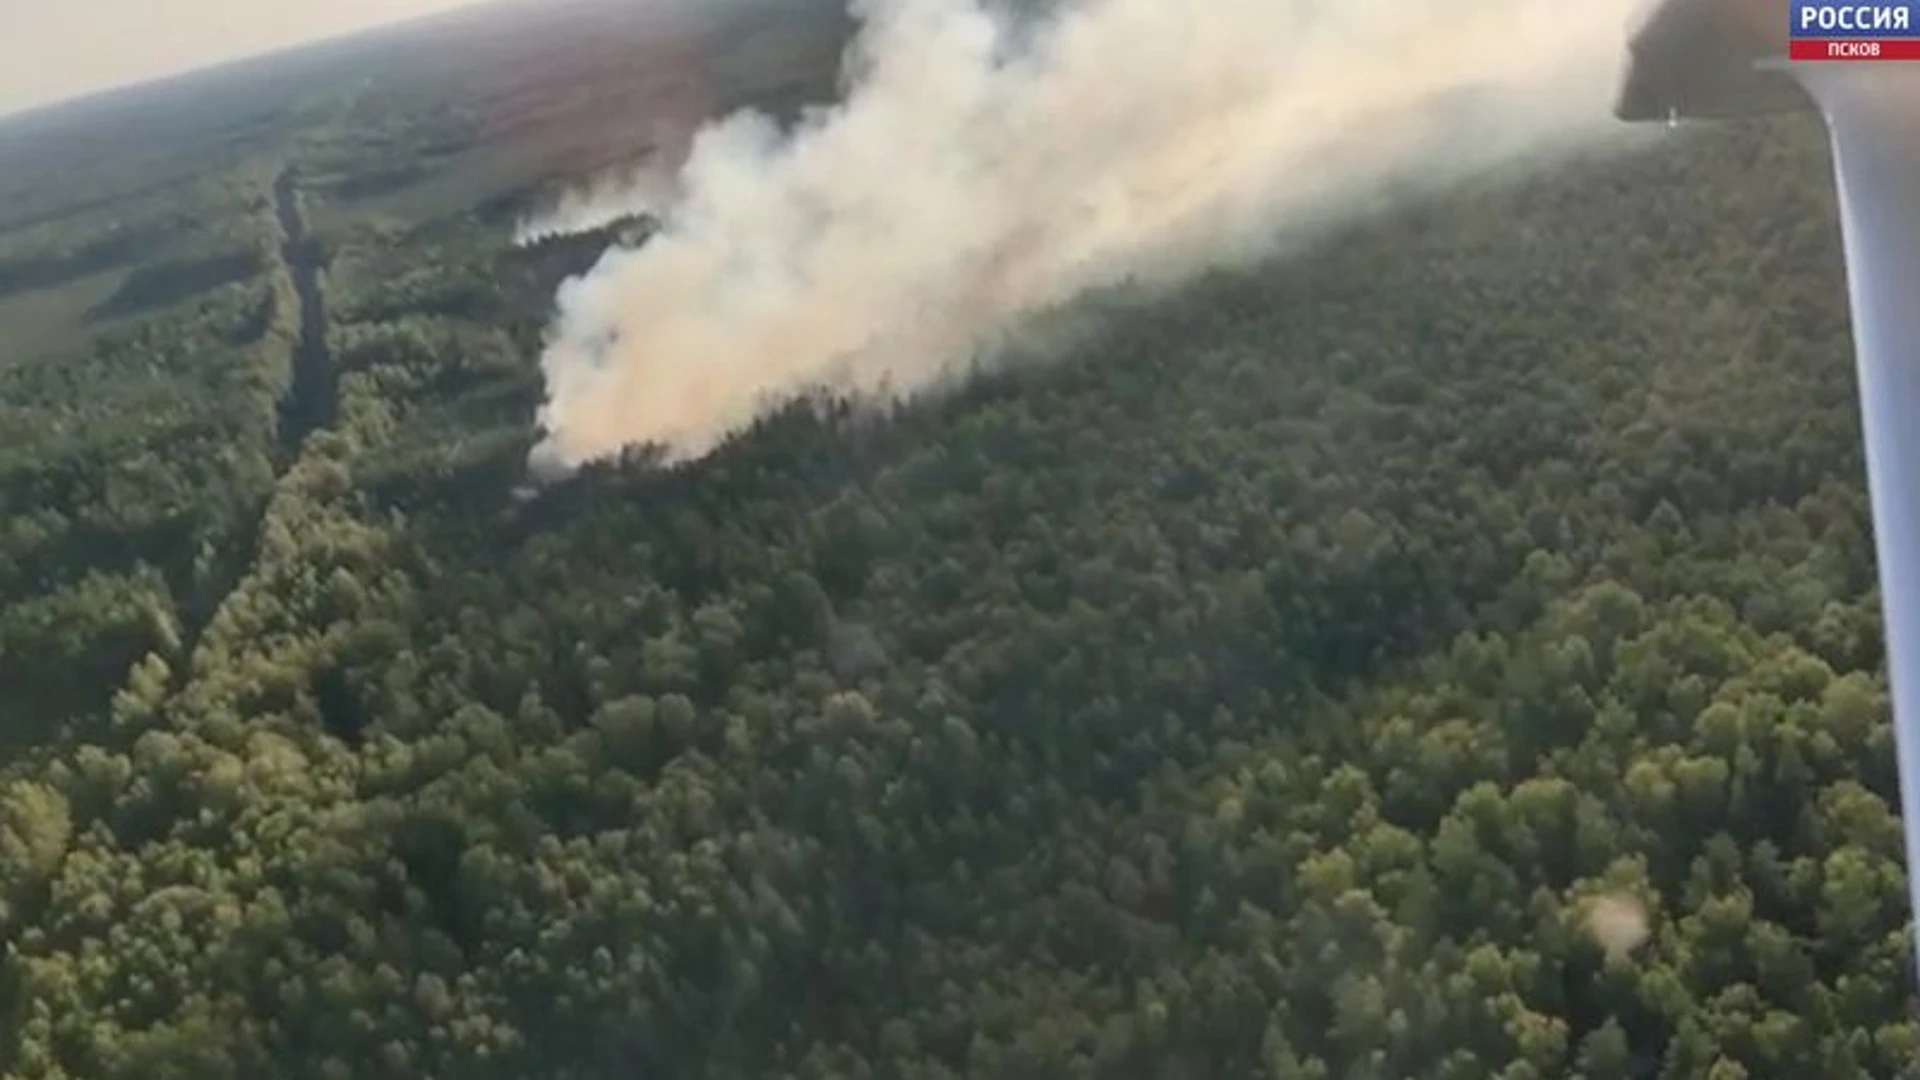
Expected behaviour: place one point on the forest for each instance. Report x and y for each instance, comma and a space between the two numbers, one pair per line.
1451, 652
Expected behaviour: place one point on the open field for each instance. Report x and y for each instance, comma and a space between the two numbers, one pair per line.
47, 322
480, 111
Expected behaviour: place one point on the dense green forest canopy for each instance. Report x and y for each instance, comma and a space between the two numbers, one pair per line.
1450, 653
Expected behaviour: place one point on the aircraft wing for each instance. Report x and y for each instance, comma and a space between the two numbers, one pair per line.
1705, 59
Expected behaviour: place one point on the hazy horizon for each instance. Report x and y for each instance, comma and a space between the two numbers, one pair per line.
50, 55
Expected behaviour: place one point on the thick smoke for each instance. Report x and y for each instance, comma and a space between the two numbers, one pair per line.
969, 180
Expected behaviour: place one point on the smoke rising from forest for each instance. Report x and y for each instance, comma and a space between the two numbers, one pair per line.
1619, 923
643, 189
971, 178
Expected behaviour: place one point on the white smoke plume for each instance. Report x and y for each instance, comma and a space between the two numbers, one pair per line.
1619, 923
641, 189
968, 180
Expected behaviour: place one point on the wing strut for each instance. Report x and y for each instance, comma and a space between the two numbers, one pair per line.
1873, 117
1722, 58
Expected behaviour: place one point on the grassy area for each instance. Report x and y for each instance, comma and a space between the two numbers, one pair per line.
47, 322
